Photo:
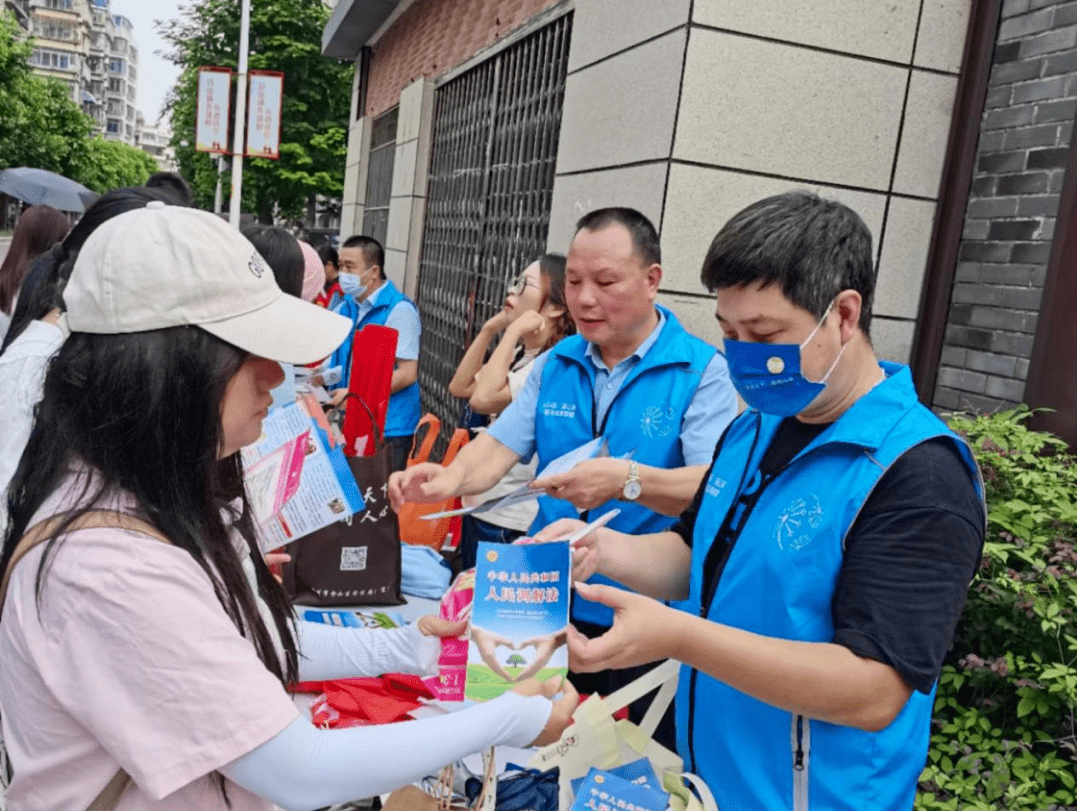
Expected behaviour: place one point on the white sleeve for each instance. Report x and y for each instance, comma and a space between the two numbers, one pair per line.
303, 768
330, 652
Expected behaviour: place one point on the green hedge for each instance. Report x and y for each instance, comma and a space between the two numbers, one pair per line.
1004, 734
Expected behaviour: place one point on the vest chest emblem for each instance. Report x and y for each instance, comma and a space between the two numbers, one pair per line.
657, 421
793, 529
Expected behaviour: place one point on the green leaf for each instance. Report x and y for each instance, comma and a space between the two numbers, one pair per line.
1025, 706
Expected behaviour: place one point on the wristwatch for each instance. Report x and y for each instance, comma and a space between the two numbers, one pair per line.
632, 489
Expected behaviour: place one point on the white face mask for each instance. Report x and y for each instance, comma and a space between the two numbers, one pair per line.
351, 285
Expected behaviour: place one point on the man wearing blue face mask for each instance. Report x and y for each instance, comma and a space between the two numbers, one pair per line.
828, 552
370, 298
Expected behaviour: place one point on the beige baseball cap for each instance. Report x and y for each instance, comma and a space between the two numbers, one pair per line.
169, 266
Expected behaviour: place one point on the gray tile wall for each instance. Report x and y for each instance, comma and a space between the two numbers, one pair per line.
689, 113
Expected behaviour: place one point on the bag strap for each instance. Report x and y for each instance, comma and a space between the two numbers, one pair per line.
110, 795
93, 519
703, 790
460, 437
664, 676
487, 797
659, 704
420, 448
379, 437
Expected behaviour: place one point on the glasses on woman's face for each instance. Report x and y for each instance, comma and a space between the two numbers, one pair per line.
523, 281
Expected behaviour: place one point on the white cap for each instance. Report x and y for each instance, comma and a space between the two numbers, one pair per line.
168, 266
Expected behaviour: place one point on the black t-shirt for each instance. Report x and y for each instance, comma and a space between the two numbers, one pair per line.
908, 558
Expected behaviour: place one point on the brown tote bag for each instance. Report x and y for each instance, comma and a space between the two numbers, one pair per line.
355, 561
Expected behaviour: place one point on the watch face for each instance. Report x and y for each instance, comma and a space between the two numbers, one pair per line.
632, 490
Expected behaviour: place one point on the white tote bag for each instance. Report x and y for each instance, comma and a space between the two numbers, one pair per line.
597, 739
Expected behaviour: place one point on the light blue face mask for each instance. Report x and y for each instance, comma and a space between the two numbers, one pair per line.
768, 376
351, 285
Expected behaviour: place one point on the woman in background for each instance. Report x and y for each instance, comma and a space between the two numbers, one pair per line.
36, 332
38, 229
534, 318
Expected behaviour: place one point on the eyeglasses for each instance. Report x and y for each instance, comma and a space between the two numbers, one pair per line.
522, 282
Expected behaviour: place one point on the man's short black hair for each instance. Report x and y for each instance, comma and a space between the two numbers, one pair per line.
371, 248
813, 248
643, 233
174, 185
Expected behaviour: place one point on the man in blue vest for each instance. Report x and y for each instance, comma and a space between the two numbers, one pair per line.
370, 298
828, 552
632, 375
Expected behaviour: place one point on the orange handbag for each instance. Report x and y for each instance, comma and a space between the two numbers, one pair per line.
414, 529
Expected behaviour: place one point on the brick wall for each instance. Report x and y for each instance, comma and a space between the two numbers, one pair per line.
433, 36
1024, 141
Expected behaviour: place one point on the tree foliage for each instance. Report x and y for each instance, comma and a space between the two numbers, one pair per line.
1005, 726
40, 125
113, 165
285, 35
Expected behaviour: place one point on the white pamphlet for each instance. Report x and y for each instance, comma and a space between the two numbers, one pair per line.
597, 447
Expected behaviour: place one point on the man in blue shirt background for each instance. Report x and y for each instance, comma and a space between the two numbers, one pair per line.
659, 396
370, 298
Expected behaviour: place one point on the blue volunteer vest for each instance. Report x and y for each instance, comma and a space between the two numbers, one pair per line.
644, 420
404, 406
778, 581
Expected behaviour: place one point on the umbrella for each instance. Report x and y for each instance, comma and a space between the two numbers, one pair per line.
40, 187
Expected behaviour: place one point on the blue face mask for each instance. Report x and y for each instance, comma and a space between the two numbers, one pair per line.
351, 285
768, 376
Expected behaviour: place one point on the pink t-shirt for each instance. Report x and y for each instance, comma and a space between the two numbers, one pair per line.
130, 663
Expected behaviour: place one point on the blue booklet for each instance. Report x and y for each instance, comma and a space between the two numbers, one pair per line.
603, 791
519, 617
640, 772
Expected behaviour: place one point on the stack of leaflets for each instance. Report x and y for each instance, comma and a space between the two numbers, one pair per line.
520, 616
596, 448
297, 480
606, 791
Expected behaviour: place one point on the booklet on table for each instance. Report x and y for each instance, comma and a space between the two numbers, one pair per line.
604, 791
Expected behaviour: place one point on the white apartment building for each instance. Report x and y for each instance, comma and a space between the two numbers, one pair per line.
156, 141
92, 50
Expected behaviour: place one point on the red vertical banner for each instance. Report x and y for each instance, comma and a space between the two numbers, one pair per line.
265, 96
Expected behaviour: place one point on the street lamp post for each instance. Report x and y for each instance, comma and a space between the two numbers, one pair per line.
241, 113
217, 193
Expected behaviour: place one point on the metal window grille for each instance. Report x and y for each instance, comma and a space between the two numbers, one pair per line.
379, 179
492, 164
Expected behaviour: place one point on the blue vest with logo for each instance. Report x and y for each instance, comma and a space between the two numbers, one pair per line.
778, 580
644, 420
404, 406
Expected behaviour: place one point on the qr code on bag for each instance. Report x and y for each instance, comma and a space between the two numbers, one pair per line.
353, 558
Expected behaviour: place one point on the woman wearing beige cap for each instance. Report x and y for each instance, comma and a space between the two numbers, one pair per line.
144, 649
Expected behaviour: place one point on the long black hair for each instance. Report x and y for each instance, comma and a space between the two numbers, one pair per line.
142, 412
